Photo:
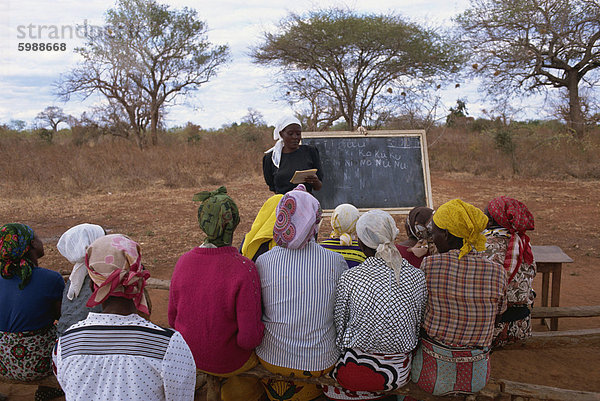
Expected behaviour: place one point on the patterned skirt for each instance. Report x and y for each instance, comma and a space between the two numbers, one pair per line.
27, 356
365, 376
442, 370
506, 333
289, 390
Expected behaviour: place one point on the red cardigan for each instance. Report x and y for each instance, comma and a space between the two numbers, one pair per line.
215, 303
409, 256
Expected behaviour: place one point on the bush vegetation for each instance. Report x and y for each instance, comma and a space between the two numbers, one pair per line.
191, 156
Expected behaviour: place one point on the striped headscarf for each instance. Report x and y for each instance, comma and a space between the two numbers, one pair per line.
465, 221
15, 242
377, 230
298, 217
218, 216
114, 263
516, 218
343, 223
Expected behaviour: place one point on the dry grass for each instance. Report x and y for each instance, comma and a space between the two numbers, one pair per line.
539, 153
117, 165
32, 167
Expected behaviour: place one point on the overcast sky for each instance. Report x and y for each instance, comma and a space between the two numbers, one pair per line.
27, 78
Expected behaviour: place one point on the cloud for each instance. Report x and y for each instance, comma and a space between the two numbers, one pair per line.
27, 78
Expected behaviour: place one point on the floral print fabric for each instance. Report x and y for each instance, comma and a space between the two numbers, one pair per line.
26, 356
519, 291
114, 263
298, 217
15, 242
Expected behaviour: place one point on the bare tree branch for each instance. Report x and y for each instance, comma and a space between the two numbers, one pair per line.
146, 56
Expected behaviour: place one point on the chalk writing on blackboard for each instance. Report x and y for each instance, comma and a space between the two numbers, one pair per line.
386, 169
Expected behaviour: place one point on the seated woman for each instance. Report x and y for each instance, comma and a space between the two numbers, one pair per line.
418, 229
466, 293
260, 238
30, 297
379, 307
72, 245
298, 280
508, 244
343, 223
288, 156
117, 354
215, 300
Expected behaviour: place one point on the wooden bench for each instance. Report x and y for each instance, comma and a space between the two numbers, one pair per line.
496, 389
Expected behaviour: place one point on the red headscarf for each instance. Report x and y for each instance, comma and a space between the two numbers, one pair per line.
516, 218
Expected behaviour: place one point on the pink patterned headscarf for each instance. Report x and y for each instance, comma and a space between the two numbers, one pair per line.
114, 265
298, 217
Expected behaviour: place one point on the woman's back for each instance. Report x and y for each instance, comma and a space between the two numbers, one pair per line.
376, 313
298, 289
215, 299
32, 307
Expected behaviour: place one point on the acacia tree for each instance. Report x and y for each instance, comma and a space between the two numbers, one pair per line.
351, 58
314, 107
528, 45
52, 116
145, 57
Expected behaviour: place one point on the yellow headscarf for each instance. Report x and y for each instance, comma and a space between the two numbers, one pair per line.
465, 221
262, 228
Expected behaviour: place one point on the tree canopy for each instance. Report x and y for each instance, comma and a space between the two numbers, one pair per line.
146, 56
527, 45
344, 63
52, 116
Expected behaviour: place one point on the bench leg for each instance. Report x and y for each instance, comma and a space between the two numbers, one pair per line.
545, 290
555, 300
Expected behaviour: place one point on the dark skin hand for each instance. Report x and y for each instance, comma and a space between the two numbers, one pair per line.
292, 135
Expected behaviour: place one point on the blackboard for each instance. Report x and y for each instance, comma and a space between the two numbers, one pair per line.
383, 169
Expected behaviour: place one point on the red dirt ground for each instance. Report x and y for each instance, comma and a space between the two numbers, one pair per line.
164, 222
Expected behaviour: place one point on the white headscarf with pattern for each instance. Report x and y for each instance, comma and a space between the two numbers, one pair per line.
343, 223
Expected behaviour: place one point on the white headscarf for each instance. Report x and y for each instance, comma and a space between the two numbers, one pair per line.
377, 230
343, 223
284, 122
72, 245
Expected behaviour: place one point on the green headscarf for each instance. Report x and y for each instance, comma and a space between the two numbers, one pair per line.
15, 242
218, 216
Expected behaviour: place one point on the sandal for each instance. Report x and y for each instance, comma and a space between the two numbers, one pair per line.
44, 393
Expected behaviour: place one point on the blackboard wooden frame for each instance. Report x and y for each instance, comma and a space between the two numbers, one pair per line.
424, 165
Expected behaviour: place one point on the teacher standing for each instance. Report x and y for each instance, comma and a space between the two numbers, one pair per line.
288, 156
